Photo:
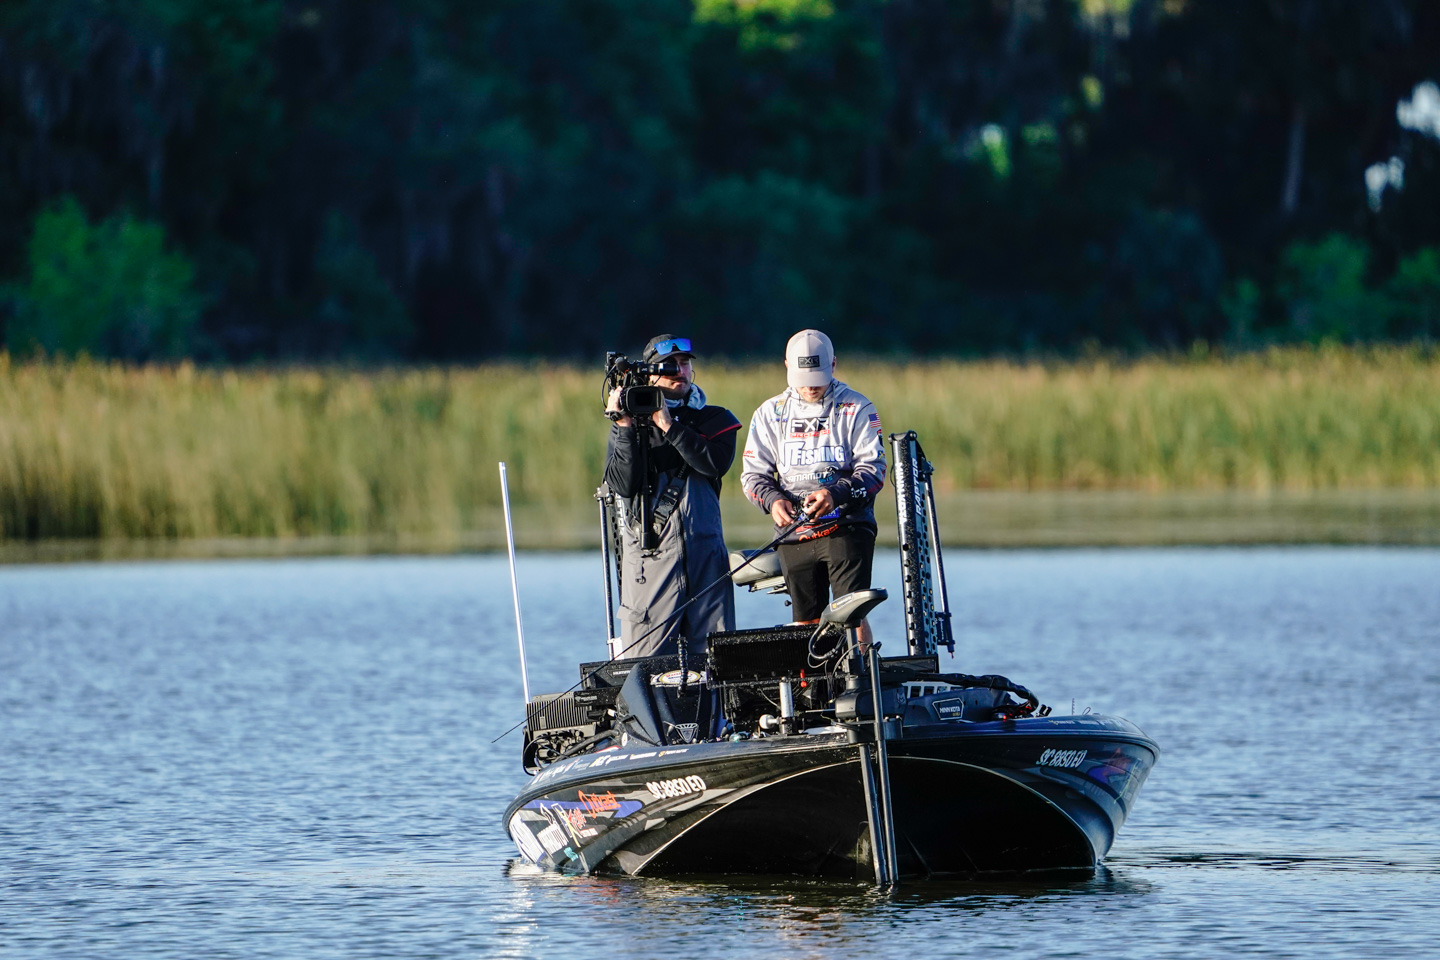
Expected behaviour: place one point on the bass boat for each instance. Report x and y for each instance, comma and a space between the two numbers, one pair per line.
792, 751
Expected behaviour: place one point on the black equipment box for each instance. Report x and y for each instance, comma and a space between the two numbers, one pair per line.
612, 673
745, 656
601, 699
905, 669
578, 708
551, 711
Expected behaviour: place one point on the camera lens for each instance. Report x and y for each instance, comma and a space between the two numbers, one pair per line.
642, 401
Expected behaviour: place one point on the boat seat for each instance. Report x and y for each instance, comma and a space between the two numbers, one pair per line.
763, 573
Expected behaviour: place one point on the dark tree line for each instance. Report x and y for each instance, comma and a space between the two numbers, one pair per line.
242, 179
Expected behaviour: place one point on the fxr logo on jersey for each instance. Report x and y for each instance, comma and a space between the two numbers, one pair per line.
809, 426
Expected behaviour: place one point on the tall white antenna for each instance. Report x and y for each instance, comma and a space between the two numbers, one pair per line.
514, 581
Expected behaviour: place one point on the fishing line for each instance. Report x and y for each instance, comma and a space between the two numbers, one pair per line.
789, 528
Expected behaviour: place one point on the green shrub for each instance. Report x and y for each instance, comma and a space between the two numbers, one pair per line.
1240, 305
1322, 287
1414, 295
357, 309
109, 289
769, 244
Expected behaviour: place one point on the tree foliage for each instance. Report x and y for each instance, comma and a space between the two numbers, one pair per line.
438, 179
110, 289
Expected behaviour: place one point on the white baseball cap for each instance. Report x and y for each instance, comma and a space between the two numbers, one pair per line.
809, 360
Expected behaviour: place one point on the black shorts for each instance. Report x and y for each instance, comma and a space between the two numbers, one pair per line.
839, 562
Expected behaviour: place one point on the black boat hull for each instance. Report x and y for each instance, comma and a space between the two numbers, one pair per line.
1004, 798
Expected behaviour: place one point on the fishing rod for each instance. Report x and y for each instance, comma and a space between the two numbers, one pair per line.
800, 517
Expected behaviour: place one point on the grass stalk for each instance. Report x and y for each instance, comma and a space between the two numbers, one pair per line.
110, 451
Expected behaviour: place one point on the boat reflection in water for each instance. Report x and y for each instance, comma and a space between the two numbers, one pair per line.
773, 759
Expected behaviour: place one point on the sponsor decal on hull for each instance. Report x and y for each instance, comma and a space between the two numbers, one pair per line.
596, 803
1117, 772
525, 841
548, 829
620, 809
552, 838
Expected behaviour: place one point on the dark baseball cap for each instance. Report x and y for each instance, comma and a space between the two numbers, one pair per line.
666, 346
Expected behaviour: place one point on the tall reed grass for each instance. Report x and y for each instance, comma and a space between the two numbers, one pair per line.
104, 450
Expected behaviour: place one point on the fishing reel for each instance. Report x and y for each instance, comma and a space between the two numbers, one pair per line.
637, 397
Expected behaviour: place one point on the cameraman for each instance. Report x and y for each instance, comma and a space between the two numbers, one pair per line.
674, 460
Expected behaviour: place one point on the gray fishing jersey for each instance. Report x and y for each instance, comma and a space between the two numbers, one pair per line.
795, 448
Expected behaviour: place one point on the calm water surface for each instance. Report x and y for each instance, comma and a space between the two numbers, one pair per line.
292, 759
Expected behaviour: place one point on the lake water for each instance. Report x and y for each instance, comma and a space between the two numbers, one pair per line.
292, 758
983, 519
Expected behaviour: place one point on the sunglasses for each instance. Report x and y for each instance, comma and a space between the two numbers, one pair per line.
673, 345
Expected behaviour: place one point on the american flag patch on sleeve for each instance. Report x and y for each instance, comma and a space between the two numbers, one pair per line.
875, 421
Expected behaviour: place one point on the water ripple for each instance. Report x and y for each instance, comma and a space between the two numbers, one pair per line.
258, 759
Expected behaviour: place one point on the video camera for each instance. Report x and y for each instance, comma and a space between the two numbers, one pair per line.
637, 397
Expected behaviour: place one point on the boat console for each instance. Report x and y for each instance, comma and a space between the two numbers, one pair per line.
767, 682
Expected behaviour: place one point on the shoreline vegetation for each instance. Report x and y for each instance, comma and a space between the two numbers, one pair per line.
94, 450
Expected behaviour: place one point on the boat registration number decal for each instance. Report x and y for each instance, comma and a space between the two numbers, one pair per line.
675, 788
1062, 758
